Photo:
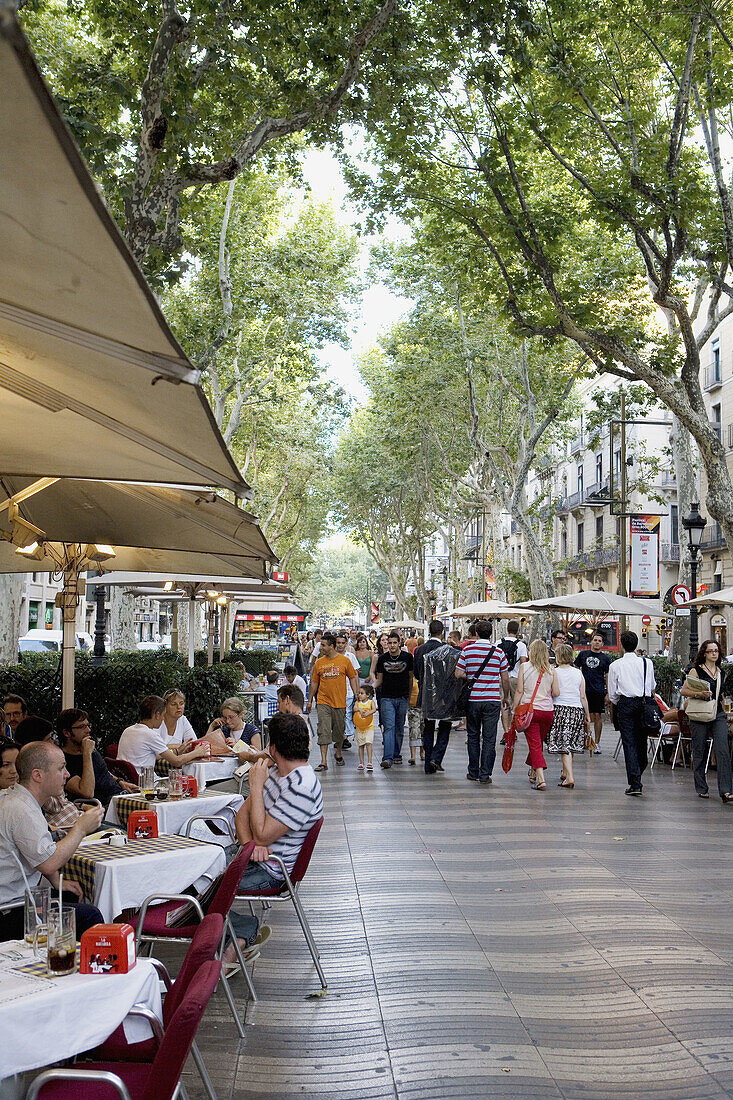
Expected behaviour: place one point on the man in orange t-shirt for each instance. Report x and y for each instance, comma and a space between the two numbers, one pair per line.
328, 687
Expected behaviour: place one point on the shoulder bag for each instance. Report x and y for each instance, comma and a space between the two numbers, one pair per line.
702, 710
464, 697
523, 711
651, 715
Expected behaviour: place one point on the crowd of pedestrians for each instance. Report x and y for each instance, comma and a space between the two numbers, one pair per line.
553, 696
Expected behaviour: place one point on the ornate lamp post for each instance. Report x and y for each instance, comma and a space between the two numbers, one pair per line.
694, 524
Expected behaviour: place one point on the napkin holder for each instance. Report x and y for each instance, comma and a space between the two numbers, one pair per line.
108, 949
142, 825
190, 786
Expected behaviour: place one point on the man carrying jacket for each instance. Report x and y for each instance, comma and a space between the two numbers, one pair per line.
435, 663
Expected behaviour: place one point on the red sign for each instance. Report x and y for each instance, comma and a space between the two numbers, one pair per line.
681, 594
374, 613
282, 578
647, 620
702, 590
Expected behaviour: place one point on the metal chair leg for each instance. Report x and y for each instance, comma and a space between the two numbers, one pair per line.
309, 937
676, 750
240, 958
656, 750
203, 1072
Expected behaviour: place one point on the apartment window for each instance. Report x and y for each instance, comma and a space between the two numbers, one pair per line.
580, 537
33, 614
599, 469
716, 424
599, 529
563, 543
674, 524
716, 360
617, 463
580, 478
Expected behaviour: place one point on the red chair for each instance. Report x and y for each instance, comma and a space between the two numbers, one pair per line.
289, 891
122, 769
156, 1080
150, 923
203, 949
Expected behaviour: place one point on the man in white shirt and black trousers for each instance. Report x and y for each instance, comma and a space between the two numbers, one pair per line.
627, 685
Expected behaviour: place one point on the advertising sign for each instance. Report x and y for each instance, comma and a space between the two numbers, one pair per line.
644, 556
374, 613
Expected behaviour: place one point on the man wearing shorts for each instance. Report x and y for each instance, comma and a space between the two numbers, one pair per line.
331, 673
594, 664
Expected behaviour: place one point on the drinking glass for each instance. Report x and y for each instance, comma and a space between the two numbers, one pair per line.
147, 782
176, 786
727, 703
37, 901
61, 956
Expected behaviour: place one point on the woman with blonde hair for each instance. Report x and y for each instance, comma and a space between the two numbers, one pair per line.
176, 727
572, 717
537, 685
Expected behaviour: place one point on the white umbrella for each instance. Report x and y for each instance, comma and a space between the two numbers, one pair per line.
596, 603
490, 609
405, 624
723, 598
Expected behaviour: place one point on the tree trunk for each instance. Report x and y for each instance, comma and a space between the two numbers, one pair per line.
181, 613
684, 468
122, 619
11, 589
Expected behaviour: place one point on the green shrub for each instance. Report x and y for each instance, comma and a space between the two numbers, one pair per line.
111, 692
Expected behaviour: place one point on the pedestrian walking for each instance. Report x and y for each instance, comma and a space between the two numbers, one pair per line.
630, 678
703, 690
394, 678
487, 669
537, 685
331, 673
364, 710
380, 647
364, 654
594, 665
342, 647
571, 718
439, 694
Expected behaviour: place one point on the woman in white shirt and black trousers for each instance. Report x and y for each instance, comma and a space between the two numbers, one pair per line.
705, 712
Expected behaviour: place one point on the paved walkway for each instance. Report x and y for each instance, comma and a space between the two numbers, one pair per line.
499, 942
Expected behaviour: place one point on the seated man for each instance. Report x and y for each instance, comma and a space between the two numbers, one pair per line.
292, 677
290, 699
8, 755
271, 687
89, 776
27, 850
284, 802
143, 744
15, 710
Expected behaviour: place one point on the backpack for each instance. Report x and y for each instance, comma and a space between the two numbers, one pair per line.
510, 647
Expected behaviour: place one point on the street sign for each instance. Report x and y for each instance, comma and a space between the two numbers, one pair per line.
702, 590
682, 612
681, 594
282, 578
647, 620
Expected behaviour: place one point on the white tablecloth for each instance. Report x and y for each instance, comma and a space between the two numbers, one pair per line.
125, 883
211, 771
43, 1020
173, 816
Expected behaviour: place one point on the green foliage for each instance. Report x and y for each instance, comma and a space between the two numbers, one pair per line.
341, 579
667, 673
111, 692
515, 584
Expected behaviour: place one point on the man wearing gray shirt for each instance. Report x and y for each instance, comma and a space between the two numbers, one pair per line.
27, 850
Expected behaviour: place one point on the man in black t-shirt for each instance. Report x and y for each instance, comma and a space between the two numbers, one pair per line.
89, 776
594, 664
394, 676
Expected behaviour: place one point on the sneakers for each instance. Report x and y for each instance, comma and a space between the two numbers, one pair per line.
397, 760
637, 790
386, 764
473, 778
346, 744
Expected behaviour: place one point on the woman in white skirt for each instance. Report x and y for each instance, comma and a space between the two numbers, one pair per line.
571, 720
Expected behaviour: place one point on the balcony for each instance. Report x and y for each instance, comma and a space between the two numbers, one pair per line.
597, 489
575, 501
577, 443
514, 527
668, 477
715, 542
669, 552
713, 377
594, 559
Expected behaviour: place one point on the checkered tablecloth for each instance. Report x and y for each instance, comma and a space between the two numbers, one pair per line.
127, 804
83, 865
173, 816
38, 967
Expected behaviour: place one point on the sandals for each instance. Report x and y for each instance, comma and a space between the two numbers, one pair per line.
340, 760
540, 787
370, 767
532, 775
564, 783
360, 767
322, 767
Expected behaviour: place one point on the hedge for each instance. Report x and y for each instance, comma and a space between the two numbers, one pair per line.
111, 692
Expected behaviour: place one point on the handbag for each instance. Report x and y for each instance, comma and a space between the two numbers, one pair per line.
524, 711
702, 710
651, 715
463, 698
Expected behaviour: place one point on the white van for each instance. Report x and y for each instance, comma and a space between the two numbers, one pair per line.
51, 641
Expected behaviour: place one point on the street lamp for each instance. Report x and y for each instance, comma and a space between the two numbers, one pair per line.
694, 524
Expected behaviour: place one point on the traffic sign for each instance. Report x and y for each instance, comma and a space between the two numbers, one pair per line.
647, 620
681, 594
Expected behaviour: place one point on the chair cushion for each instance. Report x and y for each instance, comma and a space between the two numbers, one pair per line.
134, 1074
117, 1049
264, 892
155, 919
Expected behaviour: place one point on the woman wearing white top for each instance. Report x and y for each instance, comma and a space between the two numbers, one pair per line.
537, 685
572, 719
176, 727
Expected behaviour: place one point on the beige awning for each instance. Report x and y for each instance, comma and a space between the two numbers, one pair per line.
92, 381
186, 584
174, 529
489, 609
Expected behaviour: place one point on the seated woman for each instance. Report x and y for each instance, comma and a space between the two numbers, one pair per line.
231, 729
176, 727
9, 750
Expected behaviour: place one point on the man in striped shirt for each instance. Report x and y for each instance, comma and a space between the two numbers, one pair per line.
284, 802
489, 693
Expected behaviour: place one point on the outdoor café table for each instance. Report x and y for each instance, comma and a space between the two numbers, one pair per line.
256, 698
44, 1020
114, 879
215, 770
172, 816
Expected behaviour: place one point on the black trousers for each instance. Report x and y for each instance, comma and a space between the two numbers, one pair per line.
633, 739
434, 755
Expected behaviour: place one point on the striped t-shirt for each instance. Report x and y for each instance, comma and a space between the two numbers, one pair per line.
487, 688
294, 800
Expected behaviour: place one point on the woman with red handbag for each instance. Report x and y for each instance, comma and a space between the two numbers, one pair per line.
534, 708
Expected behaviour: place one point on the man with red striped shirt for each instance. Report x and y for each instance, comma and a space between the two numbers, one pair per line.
489, 693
